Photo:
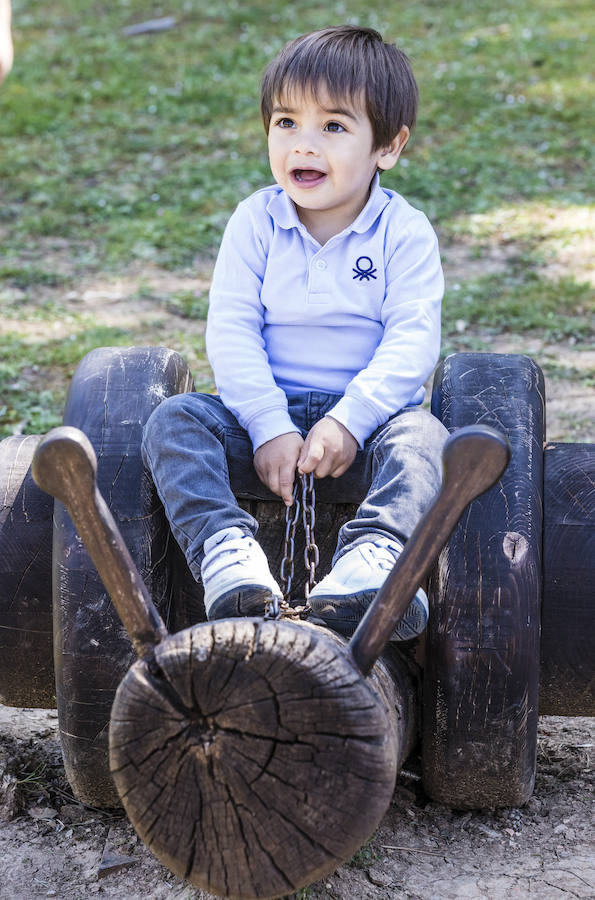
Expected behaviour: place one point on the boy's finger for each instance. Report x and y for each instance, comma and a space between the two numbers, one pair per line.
303, 456
339, 470
272, 481
286, 480
312, 458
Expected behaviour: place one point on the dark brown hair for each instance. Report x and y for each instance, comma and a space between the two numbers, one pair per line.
349, 62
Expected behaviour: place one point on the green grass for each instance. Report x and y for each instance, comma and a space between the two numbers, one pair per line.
365, 856
26, 408
519, 301
189, 304
132, 151
142, 146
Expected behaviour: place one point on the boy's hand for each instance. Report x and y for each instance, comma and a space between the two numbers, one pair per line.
276, 461
329, 449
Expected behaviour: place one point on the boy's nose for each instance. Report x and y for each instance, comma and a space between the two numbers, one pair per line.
305, 151
305, 146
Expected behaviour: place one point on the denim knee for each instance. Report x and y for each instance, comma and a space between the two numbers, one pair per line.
158, 424
174, 414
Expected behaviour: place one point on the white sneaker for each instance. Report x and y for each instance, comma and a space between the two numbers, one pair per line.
343, 596
236, 576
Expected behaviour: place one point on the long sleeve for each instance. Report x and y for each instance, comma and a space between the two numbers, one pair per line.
234, 334
410, 345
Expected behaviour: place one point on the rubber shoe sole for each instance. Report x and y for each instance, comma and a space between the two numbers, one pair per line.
343, 614
247, 600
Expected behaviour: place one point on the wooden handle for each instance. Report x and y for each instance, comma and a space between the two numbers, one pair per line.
65, 466
473, 459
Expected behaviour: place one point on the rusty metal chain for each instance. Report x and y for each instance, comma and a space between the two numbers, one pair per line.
311, 554
292, 515
303, 488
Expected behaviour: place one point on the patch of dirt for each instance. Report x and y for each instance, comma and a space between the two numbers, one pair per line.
562, 233
570, 395
460, 264
53, 846
126, 301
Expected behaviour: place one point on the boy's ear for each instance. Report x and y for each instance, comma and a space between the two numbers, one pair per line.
388, 156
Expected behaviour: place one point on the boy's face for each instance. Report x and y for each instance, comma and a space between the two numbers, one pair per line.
321, 153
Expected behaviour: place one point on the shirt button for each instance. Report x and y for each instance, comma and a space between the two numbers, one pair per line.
320, 264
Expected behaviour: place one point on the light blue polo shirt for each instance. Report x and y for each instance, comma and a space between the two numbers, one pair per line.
358, 316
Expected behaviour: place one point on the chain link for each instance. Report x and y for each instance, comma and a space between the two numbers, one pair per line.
311, 554
303, 488
292, 514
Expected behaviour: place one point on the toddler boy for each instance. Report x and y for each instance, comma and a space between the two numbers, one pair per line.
324, 323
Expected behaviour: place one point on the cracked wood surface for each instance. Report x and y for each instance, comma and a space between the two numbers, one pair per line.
482, 657
254, 758
568, 617
112, 394
26, 662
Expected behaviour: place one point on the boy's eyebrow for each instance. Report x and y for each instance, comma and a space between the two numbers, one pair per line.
340, 111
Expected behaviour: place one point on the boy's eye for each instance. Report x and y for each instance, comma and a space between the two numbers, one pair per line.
335, 127
285, 122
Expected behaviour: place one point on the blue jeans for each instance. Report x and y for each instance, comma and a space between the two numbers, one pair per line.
201, 459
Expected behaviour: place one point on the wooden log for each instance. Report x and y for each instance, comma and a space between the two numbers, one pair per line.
567, 682
26, 643
252, 758
481, 678
112, 394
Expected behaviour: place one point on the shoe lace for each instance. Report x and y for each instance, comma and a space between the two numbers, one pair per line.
377, 557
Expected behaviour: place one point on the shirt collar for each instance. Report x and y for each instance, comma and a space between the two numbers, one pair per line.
283, 211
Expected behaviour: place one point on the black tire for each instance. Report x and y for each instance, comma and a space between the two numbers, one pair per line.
113, 392
26, 652
482, 657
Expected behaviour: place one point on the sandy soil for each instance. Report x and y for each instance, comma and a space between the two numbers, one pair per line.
52, 846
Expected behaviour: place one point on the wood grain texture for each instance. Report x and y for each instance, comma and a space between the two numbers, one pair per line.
568, 613
65, 466
254, 758
482, 657
26, 645
111, 396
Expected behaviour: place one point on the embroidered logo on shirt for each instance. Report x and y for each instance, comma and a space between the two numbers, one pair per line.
364, 269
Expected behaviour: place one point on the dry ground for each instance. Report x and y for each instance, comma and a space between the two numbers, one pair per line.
56, 847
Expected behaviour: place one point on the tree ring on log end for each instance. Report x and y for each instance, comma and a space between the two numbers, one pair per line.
252, 758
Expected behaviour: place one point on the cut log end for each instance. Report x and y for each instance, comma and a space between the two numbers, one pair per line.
252, 758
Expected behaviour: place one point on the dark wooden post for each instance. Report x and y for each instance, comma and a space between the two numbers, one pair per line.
26, 633
481, 676
567, 676
112, 393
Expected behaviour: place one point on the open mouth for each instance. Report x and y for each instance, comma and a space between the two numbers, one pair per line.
307, 177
